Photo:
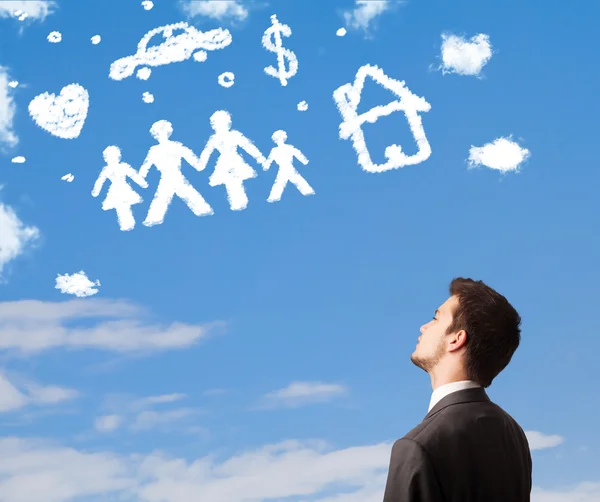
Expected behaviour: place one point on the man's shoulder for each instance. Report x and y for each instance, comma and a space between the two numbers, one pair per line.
459, 418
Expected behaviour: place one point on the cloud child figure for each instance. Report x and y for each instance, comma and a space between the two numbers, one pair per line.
120, 195
283, 155
231, 169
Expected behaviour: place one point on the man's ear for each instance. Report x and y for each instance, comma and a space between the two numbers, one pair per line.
457, 340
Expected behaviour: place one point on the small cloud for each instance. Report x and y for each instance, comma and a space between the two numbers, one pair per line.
15, 237
502, 154
215, 9
18, 160
539, 441
54, 37
32, 326
150, 419
465, 57
364, 14
76, 284
147, 97
302, 393
27, 9
50, 394
147, 4
145, 402
15, 394
11, 398
139, 413
108, 423
7, 110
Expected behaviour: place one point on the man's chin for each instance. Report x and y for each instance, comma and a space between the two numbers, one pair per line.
416, 361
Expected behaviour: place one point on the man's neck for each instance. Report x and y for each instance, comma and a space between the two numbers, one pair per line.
439, 380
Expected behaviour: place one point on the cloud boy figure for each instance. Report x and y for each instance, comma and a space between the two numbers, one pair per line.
120, 195
283, 155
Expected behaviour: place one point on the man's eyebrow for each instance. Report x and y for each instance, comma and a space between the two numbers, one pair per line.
437, 311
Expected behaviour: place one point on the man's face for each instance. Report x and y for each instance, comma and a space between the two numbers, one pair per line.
431, 347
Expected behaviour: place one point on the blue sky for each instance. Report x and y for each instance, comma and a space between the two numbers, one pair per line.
292, 323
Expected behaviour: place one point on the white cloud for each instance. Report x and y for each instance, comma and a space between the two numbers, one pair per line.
139, 416
14, 398
303, 393
502, 154
7, 110
108, 423
37, 471
365, 12
465, 57
40, 471
540, 441
151, 419
15, 237
215, 9
145, 402
35, 9
76, 284
584, 492
31, 326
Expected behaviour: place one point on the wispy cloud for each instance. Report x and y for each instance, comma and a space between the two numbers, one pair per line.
302, 393
465, 57
15, 394
365, 12
108, 423
137, 414
31, 326
503, 154
34, 9
540, 441
15, 238
215, 9
307, 470
7, 110
152, 419
288, 469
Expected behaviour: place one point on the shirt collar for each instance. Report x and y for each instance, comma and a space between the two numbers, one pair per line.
443, 390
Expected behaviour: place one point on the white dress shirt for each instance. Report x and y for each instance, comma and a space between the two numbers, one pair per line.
443, 390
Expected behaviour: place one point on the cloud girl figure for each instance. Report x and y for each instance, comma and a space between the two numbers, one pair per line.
231, 169
120, 196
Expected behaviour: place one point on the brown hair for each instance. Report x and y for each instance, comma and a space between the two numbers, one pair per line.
492, 326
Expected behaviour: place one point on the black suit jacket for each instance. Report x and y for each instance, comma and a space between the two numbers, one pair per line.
467, 449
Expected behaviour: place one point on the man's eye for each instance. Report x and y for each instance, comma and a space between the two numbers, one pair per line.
434, 319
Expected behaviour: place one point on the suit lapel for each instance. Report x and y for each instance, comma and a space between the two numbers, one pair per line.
477, 394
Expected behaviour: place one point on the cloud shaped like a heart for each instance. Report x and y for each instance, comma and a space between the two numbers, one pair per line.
63, 115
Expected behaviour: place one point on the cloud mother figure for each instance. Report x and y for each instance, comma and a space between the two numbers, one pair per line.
230, 170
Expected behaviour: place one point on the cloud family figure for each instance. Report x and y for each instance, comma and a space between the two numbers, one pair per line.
231, 170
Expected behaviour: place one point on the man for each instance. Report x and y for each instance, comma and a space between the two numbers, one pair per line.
467, 449
166, 157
